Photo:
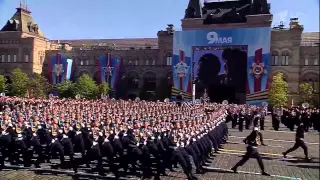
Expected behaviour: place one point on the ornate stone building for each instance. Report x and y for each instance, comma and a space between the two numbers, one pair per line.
147, 61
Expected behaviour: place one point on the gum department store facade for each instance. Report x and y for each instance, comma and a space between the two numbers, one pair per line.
148, 60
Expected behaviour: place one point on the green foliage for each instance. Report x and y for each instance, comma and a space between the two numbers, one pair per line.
20, 81
306, 93
39, 86
3, 85
86, 87
66, 89
103, 88
278, 91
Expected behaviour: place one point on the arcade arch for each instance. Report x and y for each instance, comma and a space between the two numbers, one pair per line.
150, 81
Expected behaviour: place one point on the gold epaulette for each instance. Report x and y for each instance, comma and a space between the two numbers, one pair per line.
106, 133
53, 132
18, 130
34, 129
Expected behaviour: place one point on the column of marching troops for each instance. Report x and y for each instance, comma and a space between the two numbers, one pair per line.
115, 133
129, 135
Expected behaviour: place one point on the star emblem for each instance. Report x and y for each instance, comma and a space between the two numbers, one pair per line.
58, 69
258, 70
107, 70
181, 69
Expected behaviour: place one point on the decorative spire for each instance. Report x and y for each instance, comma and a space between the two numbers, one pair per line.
194, 9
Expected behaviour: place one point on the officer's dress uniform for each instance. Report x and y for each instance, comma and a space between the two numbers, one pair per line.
253, 141
299, 142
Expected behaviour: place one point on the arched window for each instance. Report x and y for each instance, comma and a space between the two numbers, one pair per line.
81, 62
137, 63
306, 62
169, 60
133, 80
285, 58
130, 62
149, 81
275, 59
147, 62
316, 62
153, 62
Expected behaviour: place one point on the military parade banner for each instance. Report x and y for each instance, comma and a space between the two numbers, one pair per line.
109, 70
190, 45
59, 68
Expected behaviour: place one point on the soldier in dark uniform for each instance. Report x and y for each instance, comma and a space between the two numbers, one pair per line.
299, 142
56, 149
276, 119
108, 152
68, 148
253, 141
262, 118
180, 155
5, 142
242, 118
36, 147
293, 119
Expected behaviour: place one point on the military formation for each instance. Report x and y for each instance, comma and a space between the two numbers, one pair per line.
248, 117
294, 116
117, 134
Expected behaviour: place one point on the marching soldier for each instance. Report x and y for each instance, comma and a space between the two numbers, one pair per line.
299, 142
276, 119
253, 141
242, 118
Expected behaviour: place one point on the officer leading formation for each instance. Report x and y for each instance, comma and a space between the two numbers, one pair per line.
119, 134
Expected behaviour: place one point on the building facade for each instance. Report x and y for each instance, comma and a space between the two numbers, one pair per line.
148, 61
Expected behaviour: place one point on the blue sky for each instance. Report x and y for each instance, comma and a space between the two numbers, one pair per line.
84, 19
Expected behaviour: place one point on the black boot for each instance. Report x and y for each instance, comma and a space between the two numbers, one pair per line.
234, 169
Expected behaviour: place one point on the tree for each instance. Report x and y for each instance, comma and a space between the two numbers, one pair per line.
86, 87
278, 91
306, 93
39, 86
3, 84
19, 83
66, 89
103, 88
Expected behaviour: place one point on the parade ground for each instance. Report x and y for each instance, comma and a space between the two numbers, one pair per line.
293, 167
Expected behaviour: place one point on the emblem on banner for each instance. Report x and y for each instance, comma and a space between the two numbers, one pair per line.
258, 70
107, 70
58, 69
181, 69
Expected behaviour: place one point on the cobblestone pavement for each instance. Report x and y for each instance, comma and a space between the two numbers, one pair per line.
294, 167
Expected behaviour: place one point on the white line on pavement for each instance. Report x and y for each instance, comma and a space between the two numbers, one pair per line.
276, 140
253, 173
240, 142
